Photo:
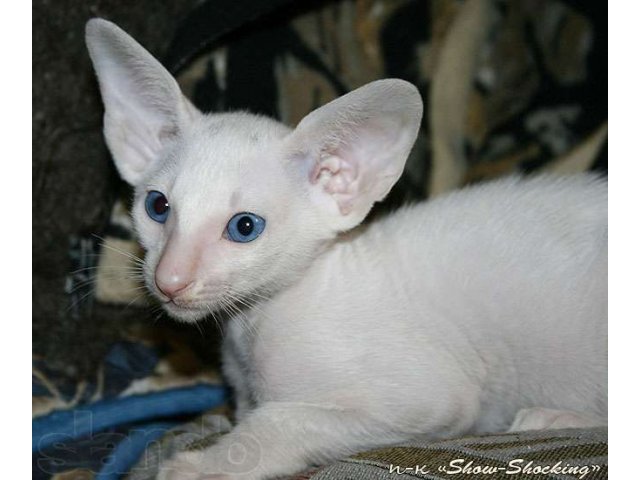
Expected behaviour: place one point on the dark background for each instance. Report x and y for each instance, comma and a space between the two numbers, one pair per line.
74, 181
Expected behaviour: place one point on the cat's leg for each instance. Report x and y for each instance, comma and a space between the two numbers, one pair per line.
281, 439
547, 418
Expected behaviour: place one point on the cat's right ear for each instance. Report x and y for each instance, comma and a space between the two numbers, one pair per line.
144, 107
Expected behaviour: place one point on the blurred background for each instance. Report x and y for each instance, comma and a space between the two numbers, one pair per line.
514, 86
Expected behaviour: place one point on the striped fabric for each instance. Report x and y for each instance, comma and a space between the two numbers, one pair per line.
534, 455
575, 453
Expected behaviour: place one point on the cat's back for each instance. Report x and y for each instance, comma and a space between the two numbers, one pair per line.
499, 245
512, 247
511, 224
555, 206
506, 261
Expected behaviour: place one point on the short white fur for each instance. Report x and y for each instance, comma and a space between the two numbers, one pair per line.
481, 311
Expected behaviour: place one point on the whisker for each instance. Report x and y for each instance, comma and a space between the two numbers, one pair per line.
254, 306
158, 316
133, 268
133, 301
129, 255
215, 319
78, 301
94, 279
199, 328
227, 306
79, 285
254, 303
241, 315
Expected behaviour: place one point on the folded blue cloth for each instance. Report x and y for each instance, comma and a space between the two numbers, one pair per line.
148, 416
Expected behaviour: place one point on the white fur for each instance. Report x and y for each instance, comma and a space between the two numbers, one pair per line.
444, 318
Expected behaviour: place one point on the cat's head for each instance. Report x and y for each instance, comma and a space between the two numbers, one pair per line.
234, 205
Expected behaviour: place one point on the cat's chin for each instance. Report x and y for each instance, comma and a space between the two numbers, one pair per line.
185, 314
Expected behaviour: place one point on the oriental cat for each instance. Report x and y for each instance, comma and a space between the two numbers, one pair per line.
480, 311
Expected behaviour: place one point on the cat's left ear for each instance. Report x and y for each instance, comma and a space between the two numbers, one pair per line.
144, 108
353, 149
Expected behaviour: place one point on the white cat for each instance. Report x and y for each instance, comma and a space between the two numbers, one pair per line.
458, 315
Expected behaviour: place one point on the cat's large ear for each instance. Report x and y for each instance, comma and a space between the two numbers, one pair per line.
353, 149
144, 108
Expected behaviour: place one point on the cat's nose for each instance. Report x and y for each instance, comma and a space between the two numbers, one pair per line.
172, 285
177, 266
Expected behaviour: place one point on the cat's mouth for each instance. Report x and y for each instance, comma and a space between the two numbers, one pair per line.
185, 312
225, 303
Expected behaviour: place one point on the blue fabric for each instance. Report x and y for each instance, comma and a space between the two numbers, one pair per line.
129, 450
68, 425
126, 362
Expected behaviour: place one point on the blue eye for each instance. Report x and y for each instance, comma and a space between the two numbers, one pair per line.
157, 206
244, 227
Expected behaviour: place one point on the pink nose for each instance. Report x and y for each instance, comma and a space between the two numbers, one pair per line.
172, 285
177, 267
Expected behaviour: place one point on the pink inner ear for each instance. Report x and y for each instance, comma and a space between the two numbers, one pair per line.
337, 177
